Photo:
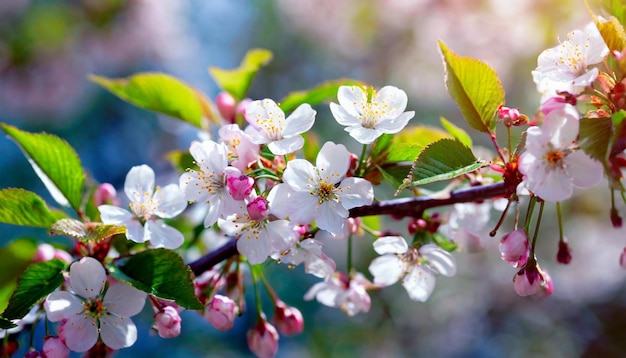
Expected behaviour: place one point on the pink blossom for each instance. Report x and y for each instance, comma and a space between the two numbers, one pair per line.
239, 186
515, 248
44, 252
531, 280
226, 105
257, 208
167, 322
241, 151
105, 194
349, 294
288, 320
54, 347
221, 312
263, 339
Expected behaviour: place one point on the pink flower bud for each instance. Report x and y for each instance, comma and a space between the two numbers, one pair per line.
226, 104
221, 312
263, 339
62, 255
616, 219
288, 320
241, 107
257, 209
564, 255
105, 194
44, 252
511, 116
547, 287
622, 259
53, 347
240, 186
514, 248
167, 322
527, 281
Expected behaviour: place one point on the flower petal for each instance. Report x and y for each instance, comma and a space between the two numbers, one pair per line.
124, 300
163, 235
62, 305
87, 277
287, 145
135, 231
343, 116
394, 100
111, 214
390, 245
585, 171
330, 217
351, 98
387, 269
171, 201
139, 183
81, 332
440, 260
300, 121
253, 247
300, 175
354, 192
332, 162
419, 283
117, 332
364, 135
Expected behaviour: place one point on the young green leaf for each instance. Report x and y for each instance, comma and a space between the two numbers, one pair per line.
162, 93
25, 208
160, 272
456, 132
442, 160
39, 280
86, 231
595, 136
323, 92
475, 87
237, 81
55, 162
14, 258
406, 145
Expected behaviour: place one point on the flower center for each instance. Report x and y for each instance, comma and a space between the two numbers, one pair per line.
371, 113
143, 207
411, 256
325, 192
94, 308
555, 158
272, 126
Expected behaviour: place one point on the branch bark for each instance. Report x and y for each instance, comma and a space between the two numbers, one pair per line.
413, 207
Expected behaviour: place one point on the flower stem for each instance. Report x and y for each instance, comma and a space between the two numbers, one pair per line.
529, 213
268, 288
254, 271
559, 219
349, 258
532, 248
360, 168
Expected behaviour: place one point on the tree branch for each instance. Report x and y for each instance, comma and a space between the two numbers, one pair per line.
413, 207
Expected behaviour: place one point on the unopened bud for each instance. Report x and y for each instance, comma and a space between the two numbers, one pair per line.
288, 320
226, 105
240, 186
616, 219
221, 312
167, 322
53, 347
105, 194
44, 252
257, 209
564, 255
514, 248
263, 339
527, 281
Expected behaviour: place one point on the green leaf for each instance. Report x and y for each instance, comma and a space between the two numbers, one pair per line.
324, 92
161, 93
14, 258
86, 231
39, 280
475, 87
443, 242
595, 135
407, 145
25, 208
381, 145
442, 160
55, 162
456, 132
160, 272
237, 81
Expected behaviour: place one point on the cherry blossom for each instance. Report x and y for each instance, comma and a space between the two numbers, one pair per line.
565, 68
146, 204
263, 339
93, 310
288, 320
269, 126
241, 151
310, 252
552, 164
221, 312
515, 248
321, 193
417, 268
257, 236
348, 294
531, 279
167, 322
209, 183
54, 347
367, 119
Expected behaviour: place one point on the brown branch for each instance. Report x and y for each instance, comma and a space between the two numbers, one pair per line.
413, 207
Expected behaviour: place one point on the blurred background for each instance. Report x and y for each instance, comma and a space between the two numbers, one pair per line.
48, 47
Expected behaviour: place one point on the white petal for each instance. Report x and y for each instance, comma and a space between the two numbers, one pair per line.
300, 121
117, 332
441, 261
343, 116
61, 305
139, 182
419, 283
280, 235
211, 157
324, 293
395, 125
163, 235
350, 98
393, 98
390, 245
135, 232
554, 185
332, 162
585, 171
330, 217
300, 175
354, 192
302, 207
364, 135
171, 201
214, 211
81, 332
278, 200
111, 214
193, 188
387, 269
254, 248
124, 300
87, 277
286, 145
